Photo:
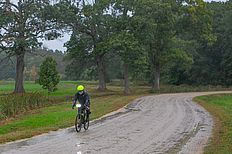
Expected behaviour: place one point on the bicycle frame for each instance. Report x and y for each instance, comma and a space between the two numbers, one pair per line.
81, 115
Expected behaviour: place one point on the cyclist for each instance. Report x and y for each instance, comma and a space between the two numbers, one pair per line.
83, 98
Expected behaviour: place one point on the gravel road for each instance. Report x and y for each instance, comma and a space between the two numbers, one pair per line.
167, 123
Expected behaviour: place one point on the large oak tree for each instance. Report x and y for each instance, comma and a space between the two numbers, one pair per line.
22, 23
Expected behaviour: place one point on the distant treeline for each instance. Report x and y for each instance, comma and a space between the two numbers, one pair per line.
33, 61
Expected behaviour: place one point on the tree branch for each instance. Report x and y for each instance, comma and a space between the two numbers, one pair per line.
80, 28
7, 57
7, 3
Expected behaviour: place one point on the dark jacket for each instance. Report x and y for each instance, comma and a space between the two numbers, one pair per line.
83, 99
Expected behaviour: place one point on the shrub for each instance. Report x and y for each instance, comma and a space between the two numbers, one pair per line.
48, 75
13, 104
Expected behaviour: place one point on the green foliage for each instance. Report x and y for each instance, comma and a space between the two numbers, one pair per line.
151, 36
90, 25
155, 27
187, 42
113, 66
178, 67
197, 22
212, 62
48, 75
227, 54
22, 24
79, 57
88, 74
32, 23
128, 48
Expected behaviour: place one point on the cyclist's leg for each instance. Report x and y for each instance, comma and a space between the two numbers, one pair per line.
87, 113
88, 109
82, 114
79, 113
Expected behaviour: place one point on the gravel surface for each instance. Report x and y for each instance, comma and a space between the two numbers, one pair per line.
167, 123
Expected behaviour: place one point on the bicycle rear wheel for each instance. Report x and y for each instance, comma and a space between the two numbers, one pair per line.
78, 124
86, 119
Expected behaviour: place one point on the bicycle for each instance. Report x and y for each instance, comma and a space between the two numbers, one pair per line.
82, 118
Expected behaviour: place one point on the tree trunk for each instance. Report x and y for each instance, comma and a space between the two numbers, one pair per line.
19, 73
156, 77
101, 74
126, 79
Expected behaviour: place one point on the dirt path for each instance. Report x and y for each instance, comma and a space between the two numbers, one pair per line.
168, 123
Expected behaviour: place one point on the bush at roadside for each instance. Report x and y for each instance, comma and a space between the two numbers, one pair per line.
13, 104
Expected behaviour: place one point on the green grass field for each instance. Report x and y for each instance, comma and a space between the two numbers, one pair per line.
55, 117
64, 88
220, 106
60, 115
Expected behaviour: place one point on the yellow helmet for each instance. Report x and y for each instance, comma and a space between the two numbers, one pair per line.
80, 88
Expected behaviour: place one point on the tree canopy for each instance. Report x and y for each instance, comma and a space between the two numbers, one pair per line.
22, 24
175, 42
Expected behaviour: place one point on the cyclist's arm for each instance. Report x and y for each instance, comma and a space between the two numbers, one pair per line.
87, 100
75, 100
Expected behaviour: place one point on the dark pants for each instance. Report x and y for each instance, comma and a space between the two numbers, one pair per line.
80, 109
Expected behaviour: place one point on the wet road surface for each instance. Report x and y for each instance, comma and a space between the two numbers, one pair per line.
167, 123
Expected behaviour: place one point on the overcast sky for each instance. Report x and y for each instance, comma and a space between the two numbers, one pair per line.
57, 44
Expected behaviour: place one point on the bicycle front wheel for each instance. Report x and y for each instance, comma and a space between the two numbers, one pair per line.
78, 124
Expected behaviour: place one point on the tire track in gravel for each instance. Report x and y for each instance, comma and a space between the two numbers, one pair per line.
167, 123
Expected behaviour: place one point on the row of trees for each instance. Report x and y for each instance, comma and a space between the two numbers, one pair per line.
146, 35
196, 43
214, 64
148, 39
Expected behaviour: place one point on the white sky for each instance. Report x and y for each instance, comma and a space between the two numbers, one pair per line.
57, 44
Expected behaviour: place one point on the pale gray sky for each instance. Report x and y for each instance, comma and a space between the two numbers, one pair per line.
57, 44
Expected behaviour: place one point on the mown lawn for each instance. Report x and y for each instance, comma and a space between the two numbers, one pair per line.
58, 116
220, 106
68, 87
64, 87
61, 115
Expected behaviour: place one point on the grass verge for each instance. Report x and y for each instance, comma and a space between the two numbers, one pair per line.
42, 120
57, 116
220, 106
